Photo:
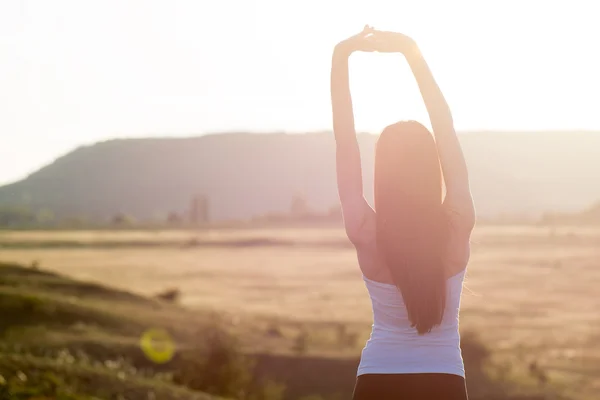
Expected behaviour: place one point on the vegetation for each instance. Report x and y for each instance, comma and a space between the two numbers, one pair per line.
78, 341
300, 214
72, 340
586, 217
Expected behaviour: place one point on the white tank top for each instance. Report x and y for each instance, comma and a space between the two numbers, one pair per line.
396, 348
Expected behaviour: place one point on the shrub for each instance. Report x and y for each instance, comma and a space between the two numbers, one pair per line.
170, 295
220, 368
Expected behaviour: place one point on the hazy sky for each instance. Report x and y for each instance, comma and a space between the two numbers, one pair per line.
75, 72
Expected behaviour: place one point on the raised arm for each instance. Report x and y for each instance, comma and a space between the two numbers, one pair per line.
355, 209
454, 168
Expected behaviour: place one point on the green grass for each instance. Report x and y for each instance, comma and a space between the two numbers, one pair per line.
67, 378
68, 340
71, 340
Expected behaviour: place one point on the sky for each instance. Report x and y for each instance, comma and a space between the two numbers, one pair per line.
76, 72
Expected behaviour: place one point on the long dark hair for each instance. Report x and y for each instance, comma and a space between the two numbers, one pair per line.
411, 224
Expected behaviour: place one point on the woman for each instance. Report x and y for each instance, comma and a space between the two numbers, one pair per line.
414, 247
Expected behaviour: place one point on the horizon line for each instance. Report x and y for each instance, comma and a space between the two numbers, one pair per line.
322, 131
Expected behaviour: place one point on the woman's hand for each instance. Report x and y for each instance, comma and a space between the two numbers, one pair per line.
392, 42
359, 42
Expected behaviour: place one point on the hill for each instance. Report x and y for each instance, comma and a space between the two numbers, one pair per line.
244, 175
70, 340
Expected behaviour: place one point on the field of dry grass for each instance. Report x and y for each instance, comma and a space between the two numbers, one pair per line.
531, 292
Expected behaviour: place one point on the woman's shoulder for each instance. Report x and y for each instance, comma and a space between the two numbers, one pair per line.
363, 237
458, 250
359, 223
369, 258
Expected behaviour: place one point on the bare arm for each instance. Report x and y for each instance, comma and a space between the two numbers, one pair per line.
458, 194
348, 163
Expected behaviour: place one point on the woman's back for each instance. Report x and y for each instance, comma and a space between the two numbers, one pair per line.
396, 347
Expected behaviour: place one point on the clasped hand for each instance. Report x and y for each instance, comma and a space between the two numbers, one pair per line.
372, 40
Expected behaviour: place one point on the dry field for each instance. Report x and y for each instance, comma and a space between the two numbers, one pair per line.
531, 292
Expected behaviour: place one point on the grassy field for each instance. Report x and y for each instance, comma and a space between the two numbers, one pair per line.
531, 292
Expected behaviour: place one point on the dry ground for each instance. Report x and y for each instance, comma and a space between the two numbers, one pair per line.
531, 292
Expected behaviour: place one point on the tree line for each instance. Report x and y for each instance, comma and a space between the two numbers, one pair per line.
198, 214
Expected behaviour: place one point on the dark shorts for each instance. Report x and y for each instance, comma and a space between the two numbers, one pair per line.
410, 387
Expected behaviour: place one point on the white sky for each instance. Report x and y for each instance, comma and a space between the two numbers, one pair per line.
75, 72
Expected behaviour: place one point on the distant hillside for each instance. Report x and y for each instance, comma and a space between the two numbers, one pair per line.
249, 174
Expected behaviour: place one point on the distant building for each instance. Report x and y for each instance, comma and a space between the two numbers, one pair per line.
199, 210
